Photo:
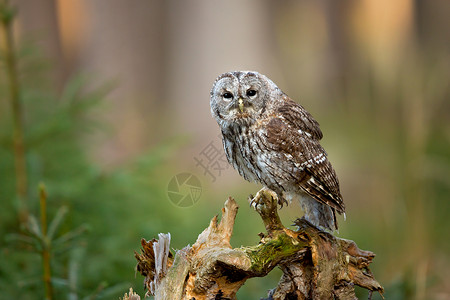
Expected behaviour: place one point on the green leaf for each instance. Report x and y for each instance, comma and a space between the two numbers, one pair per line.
33, 227
56, 222
64, 242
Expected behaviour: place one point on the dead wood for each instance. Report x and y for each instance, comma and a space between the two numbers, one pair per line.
315, 264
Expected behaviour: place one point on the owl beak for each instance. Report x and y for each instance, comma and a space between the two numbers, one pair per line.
241, 105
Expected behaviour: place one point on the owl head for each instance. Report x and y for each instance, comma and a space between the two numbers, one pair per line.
241, 97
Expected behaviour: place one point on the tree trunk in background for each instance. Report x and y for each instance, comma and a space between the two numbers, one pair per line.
203, 43
125, 44
201, 47
38, 21
431, 23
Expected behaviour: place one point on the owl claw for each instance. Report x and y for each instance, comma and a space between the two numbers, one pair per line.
255, 201
250, 199
281, 201
258, 199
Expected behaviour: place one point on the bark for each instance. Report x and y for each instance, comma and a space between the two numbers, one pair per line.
315, 264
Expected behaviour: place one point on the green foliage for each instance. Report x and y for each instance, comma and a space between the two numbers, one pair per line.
97, 217
94, 227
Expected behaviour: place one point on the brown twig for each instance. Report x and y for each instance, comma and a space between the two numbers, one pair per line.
7, 16
47, 276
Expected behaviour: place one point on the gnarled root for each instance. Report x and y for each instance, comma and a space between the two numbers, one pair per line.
315, 264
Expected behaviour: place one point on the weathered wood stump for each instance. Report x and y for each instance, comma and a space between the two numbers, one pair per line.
315, 264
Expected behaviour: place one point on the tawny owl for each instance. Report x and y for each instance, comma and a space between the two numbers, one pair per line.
270, 139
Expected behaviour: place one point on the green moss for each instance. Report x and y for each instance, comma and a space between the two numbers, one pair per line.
265, 256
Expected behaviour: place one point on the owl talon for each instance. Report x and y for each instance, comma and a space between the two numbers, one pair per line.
250, 199
282, 201
256, 200
262, 196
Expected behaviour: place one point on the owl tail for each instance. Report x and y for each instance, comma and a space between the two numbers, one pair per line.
333, 211
319, 214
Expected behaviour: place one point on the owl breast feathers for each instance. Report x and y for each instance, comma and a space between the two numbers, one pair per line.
270, 139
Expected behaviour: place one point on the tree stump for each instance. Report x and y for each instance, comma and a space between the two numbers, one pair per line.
315, 264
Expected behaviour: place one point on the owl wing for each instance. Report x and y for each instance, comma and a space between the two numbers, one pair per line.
299, 140
299, 118
321, 183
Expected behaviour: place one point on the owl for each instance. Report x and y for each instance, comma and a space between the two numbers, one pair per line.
270, 139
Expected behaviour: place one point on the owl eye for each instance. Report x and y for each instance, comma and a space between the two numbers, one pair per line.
227, 95
251, 93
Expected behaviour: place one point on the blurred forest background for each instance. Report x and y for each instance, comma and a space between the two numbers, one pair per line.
112, 100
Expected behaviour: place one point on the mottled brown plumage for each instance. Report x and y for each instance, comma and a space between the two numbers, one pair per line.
270, 139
